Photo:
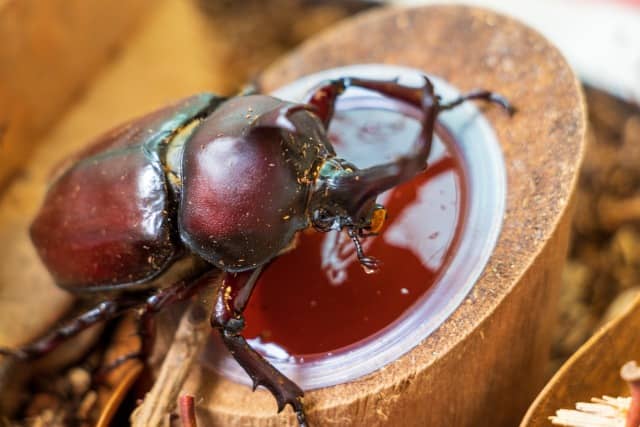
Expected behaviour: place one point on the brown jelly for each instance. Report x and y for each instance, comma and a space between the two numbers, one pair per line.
316, 299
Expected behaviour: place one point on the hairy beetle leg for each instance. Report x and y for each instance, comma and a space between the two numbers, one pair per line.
374, 180
481, 95
107, 310
231, 299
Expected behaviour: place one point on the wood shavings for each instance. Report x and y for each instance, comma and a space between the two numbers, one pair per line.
608, 411
605, 412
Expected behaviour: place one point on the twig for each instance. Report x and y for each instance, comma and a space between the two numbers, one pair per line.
188, 342
187, 411
630, 372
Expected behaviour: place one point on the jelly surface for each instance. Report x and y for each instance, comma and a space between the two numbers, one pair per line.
317, 300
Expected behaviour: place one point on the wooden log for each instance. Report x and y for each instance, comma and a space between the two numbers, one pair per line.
483, 366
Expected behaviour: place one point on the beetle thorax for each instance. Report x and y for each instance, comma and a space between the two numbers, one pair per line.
246, 186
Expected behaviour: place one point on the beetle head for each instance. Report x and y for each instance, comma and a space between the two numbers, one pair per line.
342, 199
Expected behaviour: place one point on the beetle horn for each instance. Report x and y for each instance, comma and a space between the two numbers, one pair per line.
363, 185
280, 117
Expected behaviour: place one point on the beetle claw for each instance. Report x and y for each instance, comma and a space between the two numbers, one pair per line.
370, 264
296, 405
284, 391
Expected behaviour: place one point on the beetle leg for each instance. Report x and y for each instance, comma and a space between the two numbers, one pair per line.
103, 311
231, 299
366, 183
482, 95
324, 97
107, 310
152, 304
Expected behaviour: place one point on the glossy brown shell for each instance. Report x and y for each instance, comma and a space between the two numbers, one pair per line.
106, 222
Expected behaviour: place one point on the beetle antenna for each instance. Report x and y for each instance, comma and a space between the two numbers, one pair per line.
369, 264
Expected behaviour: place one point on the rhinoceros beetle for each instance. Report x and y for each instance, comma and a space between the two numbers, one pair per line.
157, 208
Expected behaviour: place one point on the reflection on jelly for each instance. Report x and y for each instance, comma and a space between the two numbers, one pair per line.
316, 299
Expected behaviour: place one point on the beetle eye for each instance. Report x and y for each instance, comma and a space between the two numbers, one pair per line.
323, 220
